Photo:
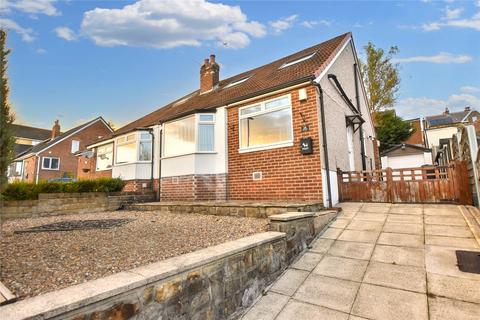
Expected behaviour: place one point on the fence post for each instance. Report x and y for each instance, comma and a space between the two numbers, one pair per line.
389, 185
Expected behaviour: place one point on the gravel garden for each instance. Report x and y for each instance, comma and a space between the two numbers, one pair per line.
38, 255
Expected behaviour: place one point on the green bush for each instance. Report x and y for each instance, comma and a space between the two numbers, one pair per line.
30, 191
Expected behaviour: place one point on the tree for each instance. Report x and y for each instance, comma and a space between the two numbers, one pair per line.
6, 115
381, 77
391, 129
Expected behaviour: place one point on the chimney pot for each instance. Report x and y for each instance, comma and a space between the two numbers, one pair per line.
446, 111
209, 74
212, 59
467, 108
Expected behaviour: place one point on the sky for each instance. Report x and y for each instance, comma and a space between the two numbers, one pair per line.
76, 60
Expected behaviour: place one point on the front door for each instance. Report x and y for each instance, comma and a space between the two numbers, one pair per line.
351, 157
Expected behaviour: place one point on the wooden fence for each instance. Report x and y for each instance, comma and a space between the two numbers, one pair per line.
446, 184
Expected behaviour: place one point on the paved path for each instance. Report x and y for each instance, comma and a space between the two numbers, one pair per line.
380, 261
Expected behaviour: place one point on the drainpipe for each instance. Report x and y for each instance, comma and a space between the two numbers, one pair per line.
357, 99
324, 140
38, 169
160, 164
153, 156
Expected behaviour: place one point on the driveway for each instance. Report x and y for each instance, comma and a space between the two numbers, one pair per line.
380, 261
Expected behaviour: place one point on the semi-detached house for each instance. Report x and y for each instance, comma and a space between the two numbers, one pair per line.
277, 132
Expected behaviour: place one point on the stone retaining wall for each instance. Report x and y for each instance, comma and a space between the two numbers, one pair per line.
218, 282
49, 204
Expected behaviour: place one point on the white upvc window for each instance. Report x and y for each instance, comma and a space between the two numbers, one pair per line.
104, 157
192, 134
75, 146
50, 163
266, 125
134, 147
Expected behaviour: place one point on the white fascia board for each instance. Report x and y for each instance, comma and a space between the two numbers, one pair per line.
331, 63
101, 143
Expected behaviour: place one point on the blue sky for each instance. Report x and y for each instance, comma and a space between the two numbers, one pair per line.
75, 60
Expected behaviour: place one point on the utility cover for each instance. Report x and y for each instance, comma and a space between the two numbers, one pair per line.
468, 261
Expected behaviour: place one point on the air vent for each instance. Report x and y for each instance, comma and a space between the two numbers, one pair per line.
257, 175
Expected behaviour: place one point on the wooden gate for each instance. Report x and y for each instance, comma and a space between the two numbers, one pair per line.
445, 184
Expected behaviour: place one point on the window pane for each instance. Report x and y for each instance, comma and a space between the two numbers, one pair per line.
205, 137
75, 146
46, 163
54, 163
126, 153
145, 151
206, 117
251, 109
131, 137
285, 101
180, 137
145, 136
104, 160
272, 127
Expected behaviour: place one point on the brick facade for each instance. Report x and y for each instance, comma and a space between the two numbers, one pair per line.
86, 169
287, 174
63, 150
139, 185
194, 187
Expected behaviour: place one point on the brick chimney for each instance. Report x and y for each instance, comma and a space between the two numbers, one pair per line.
55, 130
209, 74
446, 111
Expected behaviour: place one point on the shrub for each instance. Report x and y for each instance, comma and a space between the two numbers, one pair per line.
30, 191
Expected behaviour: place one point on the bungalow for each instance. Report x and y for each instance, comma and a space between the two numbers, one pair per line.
55, 157
276, 132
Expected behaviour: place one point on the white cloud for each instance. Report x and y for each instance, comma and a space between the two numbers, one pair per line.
283, 24
442, 57
452, 13
25, 33
311, 24
415, 107
169, 24
41, 51
467, 23
66, 33
30, 6
470, 89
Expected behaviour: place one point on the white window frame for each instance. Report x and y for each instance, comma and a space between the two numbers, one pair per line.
96, 155
43, 168
77, 143
197, 124
280, 144
137, 135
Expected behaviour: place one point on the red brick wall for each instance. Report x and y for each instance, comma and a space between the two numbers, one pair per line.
417, 136
137, 185
30, 169
194, 187
86, 169
287, 174
62, 150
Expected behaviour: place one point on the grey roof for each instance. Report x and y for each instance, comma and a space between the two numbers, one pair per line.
446, 119
21, 131
405, 145
47, 143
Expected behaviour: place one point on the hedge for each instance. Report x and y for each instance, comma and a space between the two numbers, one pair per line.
30, 191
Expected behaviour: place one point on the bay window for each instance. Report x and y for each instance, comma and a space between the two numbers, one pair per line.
189, 135
104, 157
266, 124
134, 147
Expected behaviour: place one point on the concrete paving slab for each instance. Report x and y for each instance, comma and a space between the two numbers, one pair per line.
304, 311
399, 239
352, 317
448, 309
289, 282
407, 205
328, 292
399, 255
442, 260
354, 250
346, 214
375, 302
406, 210
359, 236
331, 233
342, 268
396, 276
367, 216
454, 287
466, 243
375, 208
340, 223
404, 218
445, 220
448, 231
442, 212
308, 261
267, 308
408, 228
321, 245
361, 225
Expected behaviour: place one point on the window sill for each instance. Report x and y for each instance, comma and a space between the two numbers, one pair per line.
50, 169
188, 154
127, 163
266, 147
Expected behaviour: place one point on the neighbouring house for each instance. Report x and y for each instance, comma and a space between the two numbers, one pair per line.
276, 132
406, 156
25, 138
418, 136
55, 157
